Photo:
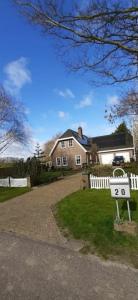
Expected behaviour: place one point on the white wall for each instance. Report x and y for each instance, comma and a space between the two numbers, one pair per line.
13, 182
107, 158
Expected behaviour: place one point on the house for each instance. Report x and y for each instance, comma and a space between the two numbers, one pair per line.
73, 149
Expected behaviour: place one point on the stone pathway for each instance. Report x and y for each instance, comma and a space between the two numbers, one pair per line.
31, 214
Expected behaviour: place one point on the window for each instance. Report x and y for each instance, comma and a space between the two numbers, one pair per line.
62, 144
78, 160
58, 161
64, 161
71, 143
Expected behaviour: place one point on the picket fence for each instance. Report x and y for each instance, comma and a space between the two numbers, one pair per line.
13, 182
103, 182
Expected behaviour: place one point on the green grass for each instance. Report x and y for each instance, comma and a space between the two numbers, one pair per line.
9, 193
89, 215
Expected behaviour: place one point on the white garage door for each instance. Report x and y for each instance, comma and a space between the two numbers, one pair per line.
107, 158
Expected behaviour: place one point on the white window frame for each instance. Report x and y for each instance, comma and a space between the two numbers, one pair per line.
70, 140
57, 160
66, 164
77, 164
63, 145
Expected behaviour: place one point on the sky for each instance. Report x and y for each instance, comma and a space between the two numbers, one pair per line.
54, 99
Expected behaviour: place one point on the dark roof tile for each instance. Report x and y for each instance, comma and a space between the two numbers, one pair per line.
106, 142
113, 141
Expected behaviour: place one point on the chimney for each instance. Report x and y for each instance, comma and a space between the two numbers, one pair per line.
80, 132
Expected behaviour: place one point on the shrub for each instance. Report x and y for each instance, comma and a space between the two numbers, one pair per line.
102, 170
107, 170
131, 167
46, 177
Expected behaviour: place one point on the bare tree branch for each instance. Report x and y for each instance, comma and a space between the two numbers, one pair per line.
105, 30
127, 106
12, 121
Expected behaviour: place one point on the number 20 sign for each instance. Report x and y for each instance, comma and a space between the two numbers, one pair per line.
120, 187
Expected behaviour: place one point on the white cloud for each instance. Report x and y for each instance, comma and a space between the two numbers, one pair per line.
17, 75
39, 130
62, 114
67, 93
85, 102
17, 150
27, 111
23, 151
112, 100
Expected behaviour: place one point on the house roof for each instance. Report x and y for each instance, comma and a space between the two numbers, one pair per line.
84, 141
113, 141
106, 142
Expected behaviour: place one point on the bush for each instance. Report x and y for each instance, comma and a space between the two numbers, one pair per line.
46, 177
131, 167
102, 170
107, 170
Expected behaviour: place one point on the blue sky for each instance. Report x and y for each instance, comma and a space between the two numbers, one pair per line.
55, 100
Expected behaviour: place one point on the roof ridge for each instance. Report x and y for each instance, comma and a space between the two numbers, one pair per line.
112, 134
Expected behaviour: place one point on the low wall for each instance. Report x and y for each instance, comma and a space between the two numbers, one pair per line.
15, 182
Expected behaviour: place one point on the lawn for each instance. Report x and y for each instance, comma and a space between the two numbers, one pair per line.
89, 215
9, 193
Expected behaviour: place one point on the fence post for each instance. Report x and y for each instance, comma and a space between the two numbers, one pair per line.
9, 181
85, 181
28, 181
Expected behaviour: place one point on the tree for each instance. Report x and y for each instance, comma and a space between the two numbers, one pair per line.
122, 128
49, 145
12, 121
39, 154
94, 152
101, 36
126, 106
135, 136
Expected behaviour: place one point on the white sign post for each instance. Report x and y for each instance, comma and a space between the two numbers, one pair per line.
120, 188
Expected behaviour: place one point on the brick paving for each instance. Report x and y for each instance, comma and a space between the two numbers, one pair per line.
31, 214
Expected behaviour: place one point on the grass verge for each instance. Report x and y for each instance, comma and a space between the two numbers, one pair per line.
89, 215
9, 193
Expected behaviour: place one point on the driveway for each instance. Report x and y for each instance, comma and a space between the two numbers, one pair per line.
31, 215
35, 270
35, 263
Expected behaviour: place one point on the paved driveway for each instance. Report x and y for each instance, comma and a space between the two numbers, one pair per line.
35, 265
31, 215
35, 270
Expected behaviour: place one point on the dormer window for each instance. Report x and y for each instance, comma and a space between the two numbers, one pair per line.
71, 143
62, 144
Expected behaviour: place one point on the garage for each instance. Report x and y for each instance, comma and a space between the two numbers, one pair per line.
107, 158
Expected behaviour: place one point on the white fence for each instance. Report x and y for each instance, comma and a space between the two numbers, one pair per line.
13, 182
103, 182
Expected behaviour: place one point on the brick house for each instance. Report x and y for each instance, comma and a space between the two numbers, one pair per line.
73, 149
